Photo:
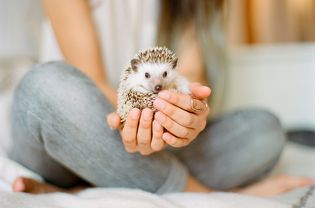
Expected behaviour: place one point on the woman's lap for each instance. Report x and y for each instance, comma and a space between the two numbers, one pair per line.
61, 112
59, 128
235, 149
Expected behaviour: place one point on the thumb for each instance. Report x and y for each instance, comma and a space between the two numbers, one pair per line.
200, 91
113, 120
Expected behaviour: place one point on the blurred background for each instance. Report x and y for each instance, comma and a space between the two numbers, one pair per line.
271, 56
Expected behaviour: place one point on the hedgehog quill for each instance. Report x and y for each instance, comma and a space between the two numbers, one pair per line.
151, 71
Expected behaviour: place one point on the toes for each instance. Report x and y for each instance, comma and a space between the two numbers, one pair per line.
18, 185
27, 185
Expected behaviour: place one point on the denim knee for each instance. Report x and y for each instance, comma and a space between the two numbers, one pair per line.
56, 84
260, 124
264, 133
260, 139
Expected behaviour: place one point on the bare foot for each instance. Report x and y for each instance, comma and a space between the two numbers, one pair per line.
269, 187
276, 185
29, 185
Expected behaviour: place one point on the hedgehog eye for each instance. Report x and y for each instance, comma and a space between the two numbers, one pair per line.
164, 74
147, 75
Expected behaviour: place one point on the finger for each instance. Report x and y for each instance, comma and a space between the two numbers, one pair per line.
179, 115
129, 132
157, 143
199, 91
174, 141
144, 132
113, 120
182, 101
173, 127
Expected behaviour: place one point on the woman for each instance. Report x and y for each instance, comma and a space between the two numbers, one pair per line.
59, 109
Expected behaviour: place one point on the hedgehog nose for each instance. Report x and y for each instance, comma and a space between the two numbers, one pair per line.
158, 88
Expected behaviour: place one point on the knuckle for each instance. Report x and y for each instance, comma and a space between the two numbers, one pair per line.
189, 121
169, 109
184, 133
143, 142
169, 123
177, 144
156, 145
130, 125
181, 142
128, 140
174, 142
145, 124
187, 101
185, 142
124, 135
157, 128
127, 136
174, 97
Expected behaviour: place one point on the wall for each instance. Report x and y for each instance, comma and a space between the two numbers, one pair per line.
277, 77
20, 22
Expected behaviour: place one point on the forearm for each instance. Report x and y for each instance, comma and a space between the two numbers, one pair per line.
76, 34
191, 59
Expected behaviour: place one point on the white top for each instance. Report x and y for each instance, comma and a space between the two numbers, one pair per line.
124, 27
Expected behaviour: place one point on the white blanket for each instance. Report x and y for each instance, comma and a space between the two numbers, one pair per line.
94, 198
301, 158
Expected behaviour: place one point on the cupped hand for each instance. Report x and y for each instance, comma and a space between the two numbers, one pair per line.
140, 133
183, 116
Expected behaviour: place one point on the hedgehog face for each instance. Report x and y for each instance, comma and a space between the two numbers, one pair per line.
152, 77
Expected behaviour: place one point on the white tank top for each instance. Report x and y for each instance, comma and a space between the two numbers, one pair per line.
124, 28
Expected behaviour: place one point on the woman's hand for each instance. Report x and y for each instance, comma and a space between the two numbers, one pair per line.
137, 136
183, 116
140, 133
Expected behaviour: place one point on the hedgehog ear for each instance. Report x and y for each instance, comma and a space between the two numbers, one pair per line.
174, 63
134, 64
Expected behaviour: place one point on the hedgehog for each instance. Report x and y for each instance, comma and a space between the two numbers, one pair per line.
150, 71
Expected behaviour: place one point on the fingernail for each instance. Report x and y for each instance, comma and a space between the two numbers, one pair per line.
205, 88
160, 104
134, 114
146, 114
165, 95
160, 117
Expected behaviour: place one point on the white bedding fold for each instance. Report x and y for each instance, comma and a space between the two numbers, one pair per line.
95, 198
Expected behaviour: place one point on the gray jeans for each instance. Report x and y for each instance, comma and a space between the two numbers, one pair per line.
59, 130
